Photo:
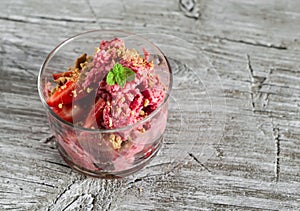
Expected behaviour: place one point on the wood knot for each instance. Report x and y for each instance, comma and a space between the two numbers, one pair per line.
190, 8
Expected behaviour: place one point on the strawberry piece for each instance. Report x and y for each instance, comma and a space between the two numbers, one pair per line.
69, 112
64, 95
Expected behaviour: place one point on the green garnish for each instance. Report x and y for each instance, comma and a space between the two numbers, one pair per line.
120, 75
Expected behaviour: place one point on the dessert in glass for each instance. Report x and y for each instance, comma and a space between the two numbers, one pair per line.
106, 96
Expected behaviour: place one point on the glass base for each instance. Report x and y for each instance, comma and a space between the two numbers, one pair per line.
136, 166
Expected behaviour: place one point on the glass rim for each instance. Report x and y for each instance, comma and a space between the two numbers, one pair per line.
68, 40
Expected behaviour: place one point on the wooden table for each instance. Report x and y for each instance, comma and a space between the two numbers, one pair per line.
239, 150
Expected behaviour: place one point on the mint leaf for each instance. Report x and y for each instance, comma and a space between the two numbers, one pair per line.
129, 74
110, 78
117, 68
120, 79
120, 75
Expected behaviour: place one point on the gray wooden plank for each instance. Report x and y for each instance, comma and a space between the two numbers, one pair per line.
254, 46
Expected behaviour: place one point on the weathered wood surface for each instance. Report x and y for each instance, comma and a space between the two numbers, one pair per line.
243, 153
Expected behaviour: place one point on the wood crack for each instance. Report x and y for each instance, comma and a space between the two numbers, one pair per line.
251, 79
14, 20
63, 192
75, 199
60, 164
254, 43
149, 176
91, 9
63, 19
136, 180
45, 18
49, 139
276, 136
198, 161
256, 83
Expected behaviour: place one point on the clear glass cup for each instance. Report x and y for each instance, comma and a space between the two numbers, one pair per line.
98, 152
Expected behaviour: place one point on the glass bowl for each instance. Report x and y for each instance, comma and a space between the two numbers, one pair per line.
122, 135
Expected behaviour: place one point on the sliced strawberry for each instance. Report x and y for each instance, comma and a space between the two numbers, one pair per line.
95, 113
63, 74
63, 95
69, 112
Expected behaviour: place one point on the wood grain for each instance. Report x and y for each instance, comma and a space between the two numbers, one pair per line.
247, 159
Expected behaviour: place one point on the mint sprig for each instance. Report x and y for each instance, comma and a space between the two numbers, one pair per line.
120, 75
